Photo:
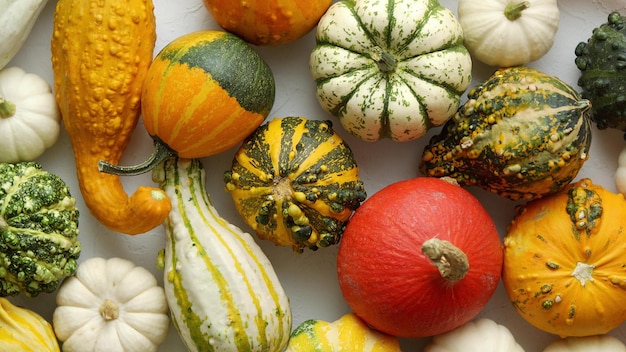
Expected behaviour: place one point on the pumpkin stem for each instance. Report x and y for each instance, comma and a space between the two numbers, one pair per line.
386, 63
583, 272
7, 109
514, 10
451, 262
160, 153
109, 310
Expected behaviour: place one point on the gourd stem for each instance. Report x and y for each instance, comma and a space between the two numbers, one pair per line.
109, 310
160, 153
451, 262
387, 63
7, 109
514, 10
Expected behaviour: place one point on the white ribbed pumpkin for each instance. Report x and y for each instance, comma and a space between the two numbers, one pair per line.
508, 33
222, 290
390, 68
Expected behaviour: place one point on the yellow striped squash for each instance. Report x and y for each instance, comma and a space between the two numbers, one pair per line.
24, 330
347, 334
222, 290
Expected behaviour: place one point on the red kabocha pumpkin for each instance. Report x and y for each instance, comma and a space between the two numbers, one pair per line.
419, 257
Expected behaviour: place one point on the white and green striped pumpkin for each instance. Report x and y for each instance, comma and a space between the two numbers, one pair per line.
390, 68
521, 134
222, 290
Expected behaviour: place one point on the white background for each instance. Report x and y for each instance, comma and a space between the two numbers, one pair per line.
310, 278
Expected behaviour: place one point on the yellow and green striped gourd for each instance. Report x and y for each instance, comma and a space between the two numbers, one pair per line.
521, 134
222, 290
296, 183
22, 329
347, 334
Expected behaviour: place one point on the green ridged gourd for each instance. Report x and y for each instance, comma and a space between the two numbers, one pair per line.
602, 62
296, 183
521, 134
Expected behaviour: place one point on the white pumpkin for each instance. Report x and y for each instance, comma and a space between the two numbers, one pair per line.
595, 343
390, 68
110, 305
481, 335
507, 33
17, 18
30, 121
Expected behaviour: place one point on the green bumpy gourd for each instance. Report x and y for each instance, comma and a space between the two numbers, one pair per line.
38, 230
602, 62
521, 134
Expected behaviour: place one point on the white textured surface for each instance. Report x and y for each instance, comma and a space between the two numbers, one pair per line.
310, 279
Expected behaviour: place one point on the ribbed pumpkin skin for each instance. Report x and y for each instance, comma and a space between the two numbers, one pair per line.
205, 92
222, 290
390, 69
268, 22
24, 330
564, 260
521, 134
296, 183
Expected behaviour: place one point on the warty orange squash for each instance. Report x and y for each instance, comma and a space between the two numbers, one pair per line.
101, 51
564, 261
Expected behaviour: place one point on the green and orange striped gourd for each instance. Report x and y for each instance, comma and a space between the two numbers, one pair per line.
205, 92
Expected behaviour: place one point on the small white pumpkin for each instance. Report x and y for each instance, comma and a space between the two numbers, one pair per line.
507, 33
30, 121
481, 335
111, 305
595, 343
390, 68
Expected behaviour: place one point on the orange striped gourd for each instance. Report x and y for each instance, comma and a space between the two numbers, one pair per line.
204, 93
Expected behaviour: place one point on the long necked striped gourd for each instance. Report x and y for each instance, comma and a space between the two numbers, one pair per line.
221, 288
521, 134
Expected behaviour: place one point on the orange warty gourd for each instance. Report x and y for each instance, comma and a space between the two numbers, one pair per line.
268, 22
565, 259
101, 51
419, 258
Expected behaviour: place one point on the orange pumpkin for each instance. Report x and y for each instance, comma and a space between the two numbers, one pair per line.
565, 261
204, 93
268, 22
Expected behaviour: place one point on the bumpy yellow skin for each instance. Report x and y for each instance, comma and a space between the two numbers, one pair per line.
101, 51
